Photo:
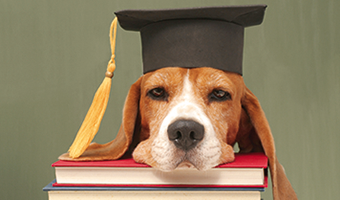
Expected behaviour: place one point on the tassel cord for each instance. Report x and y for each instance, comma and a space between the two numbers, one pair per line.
91, 123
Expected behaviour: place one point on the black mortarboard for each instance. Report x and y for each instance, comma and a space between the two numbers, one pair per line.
194, 37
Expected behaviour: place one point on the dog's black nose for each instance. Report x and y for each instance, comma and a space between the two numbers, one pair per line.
185, 134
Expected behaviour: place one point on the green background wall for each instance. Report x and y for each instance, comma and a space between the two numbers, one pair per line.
53, 56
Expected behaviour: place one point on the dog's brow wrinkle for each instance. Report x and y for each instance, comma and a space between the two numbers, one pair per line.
187, 94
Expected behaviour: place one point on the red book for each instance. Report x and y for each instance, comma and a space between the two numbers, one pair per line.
248, 170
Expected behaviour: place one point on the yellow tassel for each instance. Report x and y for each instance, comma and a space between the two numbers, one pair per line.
94, 116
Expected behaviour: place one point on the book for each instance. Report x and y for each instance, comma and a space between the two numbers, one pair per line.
146, 193
248, 170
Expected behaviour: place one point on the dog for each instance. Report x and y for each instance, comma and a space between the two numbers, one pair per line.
178, 117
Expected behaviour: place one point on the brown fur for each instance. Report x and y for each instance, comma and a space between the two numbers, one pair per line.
240, 120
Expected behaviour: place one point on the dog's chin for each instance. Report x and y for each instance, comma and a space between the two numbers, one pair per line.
194, 159
186, 162
186, 165
181, 166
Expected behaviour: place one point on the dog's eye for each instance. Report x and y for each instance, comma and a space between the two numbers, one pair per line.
158, 94
220, 95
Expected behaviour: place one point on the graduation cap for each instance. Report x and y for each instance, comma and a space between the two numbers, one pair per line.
193, 37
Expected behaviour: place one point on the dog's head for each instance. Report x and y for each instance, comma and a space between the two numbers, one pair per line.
189, 117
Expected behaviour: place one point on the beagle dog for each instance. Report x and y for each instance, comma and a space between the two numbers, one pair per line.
191, 117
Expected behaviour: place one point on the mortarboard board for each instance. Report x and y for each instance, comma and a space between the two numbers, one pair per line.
193, 37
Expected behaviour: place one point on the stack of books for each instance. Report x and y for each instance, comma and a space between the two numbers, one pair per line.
245, 179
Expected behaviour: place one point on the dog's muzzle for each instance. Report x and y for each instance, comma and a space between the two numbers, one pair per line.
185, 134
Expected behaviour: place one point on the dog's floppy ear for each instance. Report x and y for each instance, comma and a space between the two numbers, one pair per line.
282, 188
117, 147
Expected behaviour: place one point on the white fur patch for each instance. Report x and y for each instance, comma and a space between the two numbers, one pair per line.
206, 154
